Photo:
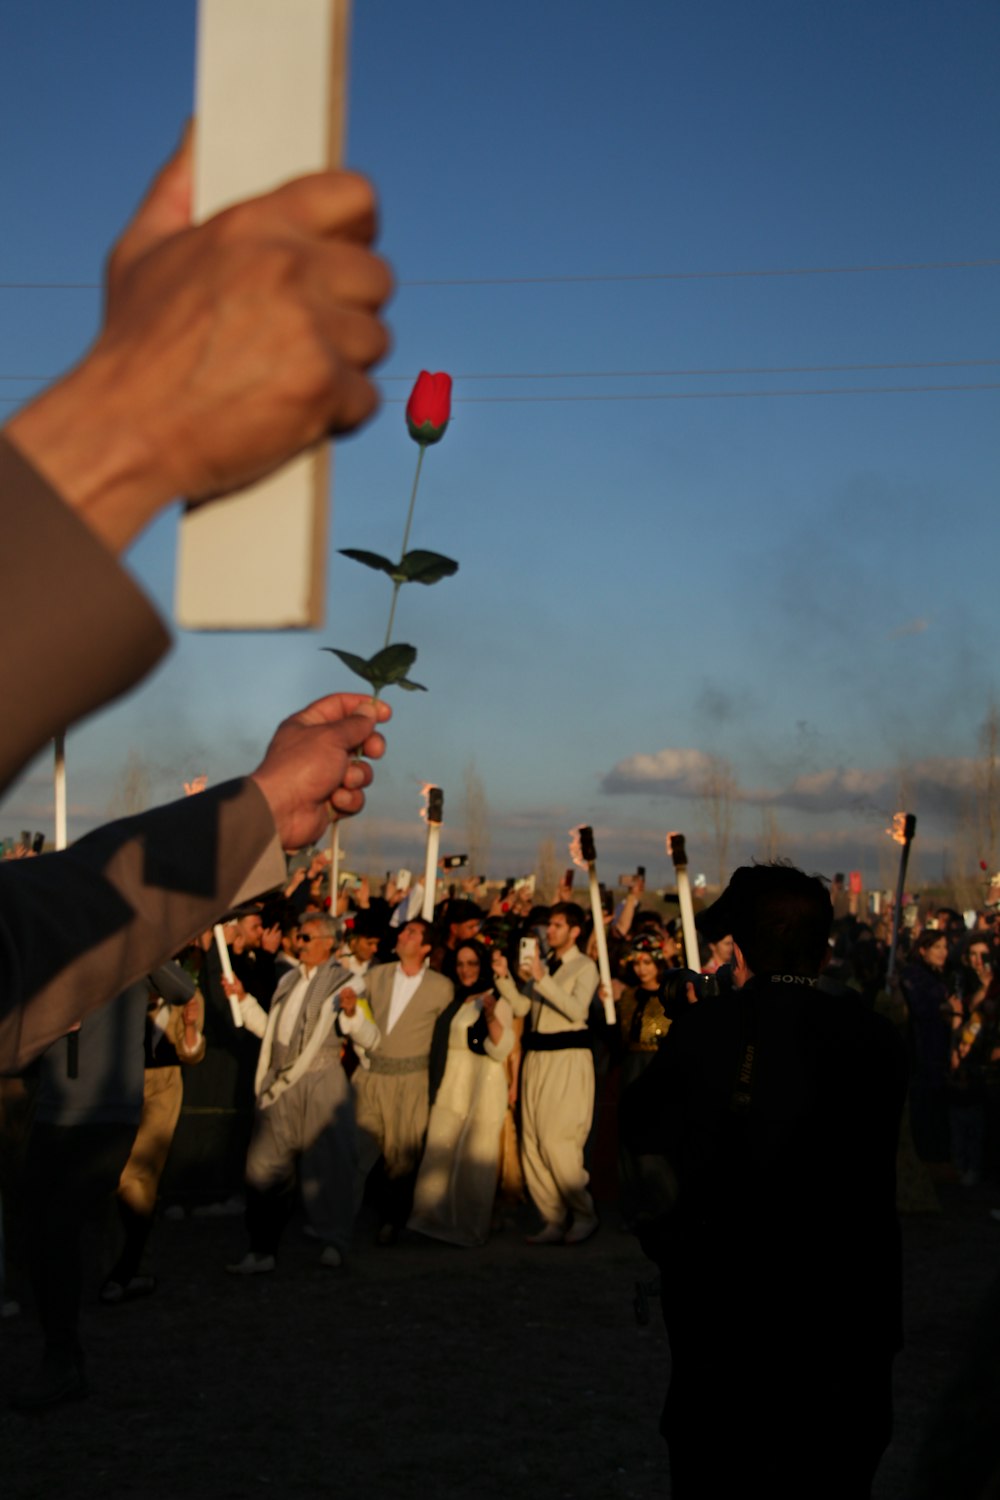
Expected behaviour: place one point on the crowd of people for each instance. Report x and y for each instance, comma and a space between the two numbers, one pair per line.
448, 1069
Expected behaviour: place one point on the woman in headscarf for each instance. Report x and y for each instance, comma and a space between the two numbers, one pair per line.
457, 1181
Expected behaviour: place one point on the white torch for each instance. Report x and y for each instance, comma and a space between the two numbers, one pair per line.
433, 814
583, 853
678, 853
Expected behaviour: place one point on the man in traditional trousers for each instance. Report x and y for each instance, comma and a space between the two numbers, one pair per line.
304, 1107
557, 1076
393, 1086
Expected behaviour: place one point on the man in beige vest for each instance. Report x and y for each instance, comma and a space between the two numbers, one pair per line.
392, 1087
557, 1077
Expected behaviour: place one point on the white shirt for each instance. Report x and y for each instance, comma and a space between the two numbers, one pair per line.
291, 1006
404, 987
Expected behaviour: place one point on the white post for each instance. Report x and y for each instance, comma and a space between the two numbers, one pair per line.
678, 853
601, 937
227, 970
430, 871
334, 867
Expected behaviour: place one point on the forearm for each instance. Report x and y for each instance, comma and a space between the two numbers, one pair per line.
78, 927
519, 1004
623, 925
360, 1028
573, 1003
191, 1051
254, 1015
74, 622
79, 435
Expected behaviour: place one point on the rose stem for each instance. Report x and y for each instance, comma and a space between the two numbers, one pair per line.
406, 537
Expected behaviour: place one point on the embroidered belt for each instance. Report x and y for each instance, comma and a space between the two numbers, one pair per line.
397, 1065
555, 1041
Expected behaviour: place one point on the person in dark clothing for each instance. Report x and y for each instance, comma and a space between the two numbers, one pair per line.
85, 1122
924, 980
766, 1132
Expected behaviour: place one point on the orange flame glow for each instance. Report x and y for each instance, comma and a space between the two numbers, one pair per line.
575, 853
898, 829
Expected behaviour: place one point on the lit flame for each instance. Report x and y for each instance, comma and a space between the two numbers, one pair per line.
575, 852
898, 829
425, 792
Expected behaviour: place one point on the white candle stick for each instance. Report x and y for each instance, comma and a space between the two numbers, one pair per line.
227, 970
434, 814
430, 871
583, 853
678, 853
334, 867
60, 790
603, 963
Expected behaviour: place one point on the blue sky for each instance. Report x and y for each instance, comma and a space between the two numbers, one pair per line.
802, 584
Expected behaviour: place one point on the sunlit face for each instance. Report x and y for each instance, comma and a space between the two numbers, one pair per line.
467, 967
364, 948
645, 969
313, 946
560, 934
936, 956
410, 944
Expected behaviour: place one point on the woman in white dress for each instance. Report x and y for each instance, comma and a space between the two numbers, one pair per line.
457, 1181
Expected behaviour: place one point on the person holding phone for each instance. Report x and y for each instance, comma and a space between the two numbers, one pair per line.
557, 1076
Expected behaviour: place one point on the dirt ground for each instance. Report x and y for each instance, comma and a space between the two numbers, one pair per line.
417, 1373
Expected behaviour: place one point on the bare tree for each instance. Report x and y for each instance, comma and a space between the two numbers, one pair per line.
771, 837
477, 821
719, 791
546, 870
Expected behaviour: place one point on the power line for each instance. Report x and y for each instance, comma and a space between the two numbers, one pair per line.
617, 276
927, 265
843, 390
930, 364
618, 396
724, 370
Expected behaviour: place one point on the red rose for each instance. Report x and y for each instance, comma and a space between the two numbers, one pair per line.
428, 410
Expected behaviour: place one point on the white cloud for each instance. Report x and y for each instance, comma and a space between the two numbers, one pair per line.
677, 772
937, 786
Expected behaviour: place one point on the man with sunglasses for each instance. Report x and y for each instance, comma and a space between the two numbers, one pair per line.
304, 1105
